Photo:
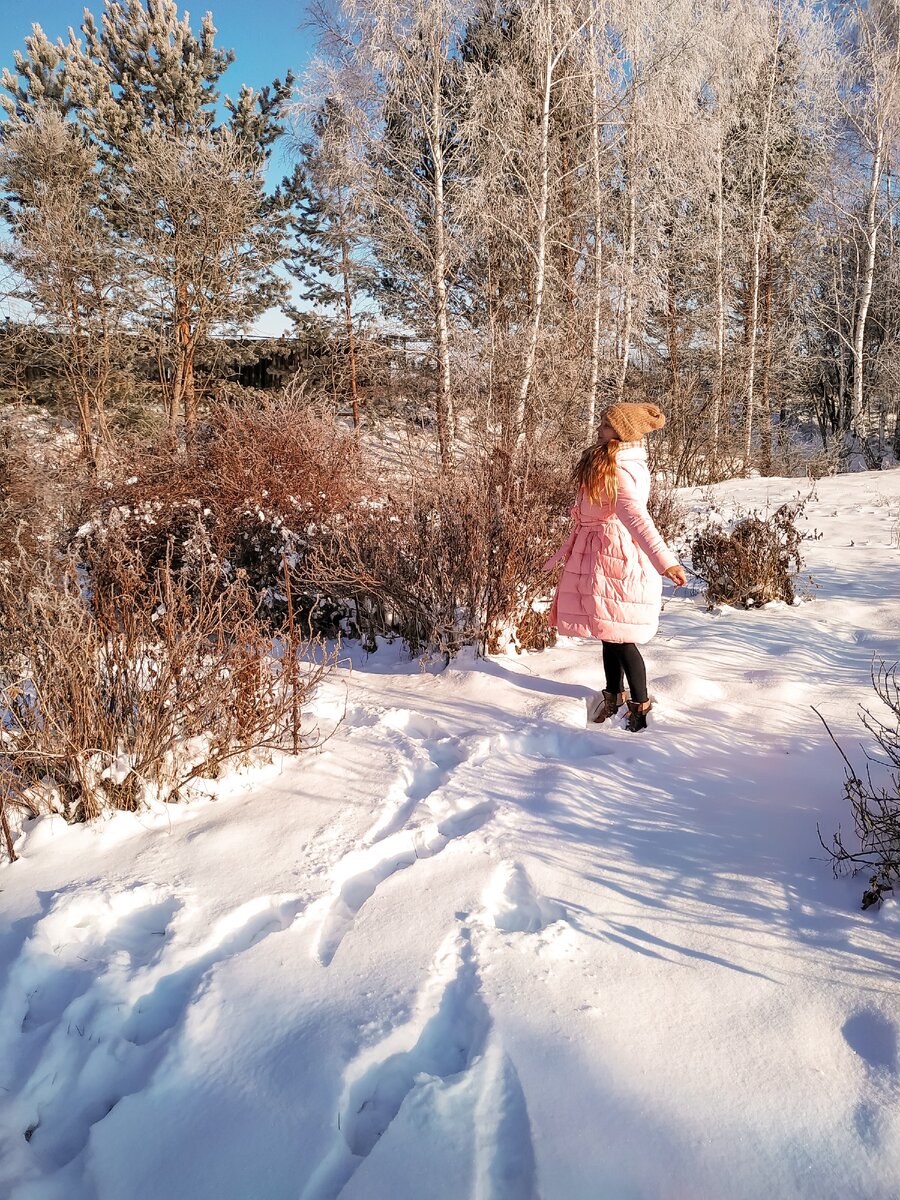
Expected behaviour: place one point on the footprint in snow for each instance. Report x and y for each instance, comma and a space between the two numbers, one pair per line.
442, 1040
82, 1045
78, 938
873, 1037
430, 767
361, 872
552, 742
416, 725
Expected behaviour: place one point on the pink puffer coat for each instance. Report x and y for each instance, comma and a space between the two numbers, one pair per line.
611, 585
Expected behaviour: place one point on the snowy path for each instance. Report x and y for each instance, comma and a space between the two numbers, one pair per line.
473, 949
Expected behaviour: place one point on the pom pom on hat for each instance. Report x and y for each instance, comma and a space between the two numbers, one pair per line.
634, 421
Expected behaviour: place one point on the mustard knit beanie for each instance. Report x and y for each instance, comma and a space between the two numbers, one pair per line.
633, 421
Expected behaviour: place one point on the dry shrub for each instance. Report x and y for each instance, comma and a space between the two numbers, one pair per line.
874, 802
447, 561
112, 697
756, 561
439, 560
669, 514
285, 451
266, 480
42, 485
791, 460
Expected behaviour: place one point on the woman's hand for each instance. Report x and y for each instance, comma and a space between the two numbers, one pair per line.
677, 575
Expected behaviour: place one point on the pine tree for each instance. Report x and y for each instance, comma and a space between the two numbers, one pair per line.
326, 195
183, 190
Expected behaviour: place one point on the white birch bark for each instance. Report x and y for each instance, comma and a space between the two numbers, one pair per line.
436, 139
759, 218
629, 258
540, 264
596, 197
719, 391
857, 415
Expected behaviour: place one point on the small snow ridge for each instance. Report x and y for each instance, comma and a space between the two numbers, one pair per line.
160, 1009
512, 905
505, 1166
552, 742
361, 872
415, 724
444, 1039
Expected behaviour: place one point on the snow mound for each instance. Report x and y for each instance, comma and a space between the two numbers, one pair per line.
512, 905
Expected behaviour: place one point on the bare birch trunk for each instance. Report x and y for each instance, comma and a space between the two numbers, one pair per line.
857, 418
540, 252
759, 217
596, 197
444, 402
628, 265
719, 392
765, 397
672, 338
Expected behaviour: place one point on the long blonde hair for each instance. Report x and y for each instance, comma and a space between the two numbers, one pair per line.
596, 472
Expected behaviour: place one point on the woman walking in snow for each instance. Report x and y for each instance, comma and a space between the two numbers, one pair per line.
614, 560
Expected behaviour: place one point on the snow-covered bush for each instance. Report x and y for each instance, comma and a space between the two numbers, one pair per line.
267, 481
874, 796
115, 696
42, 483
278, 490
756, 561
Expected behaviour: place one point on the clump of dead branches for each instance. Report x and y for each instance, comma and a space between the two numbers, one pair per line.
873, 794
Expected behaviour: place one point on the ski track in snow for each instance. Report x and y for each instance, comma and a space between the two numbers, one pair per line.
93, 999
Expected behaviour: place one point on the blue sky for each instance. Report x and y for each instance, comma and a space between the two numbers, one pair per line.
266, 36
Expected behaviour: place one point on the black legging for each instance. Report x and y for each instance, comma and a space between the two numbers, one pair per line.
624, 658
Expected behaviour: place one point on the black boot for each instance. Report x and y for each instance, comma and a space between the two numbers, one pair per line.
599, 712
637, 715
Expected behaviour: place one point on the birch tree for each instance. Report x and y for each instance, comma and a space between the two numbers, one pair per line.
527, 208
872, 102
408, 48
598, 74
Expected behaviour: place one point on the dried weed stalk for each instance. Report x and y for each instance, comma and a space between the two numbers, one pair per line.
113, 696
874, 803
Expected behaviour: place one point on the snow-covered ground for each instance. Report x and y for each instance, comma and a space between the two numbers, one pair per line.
473, 949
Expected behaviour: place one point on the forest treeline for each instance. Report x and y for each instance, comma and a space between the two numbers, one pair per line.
564, 203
